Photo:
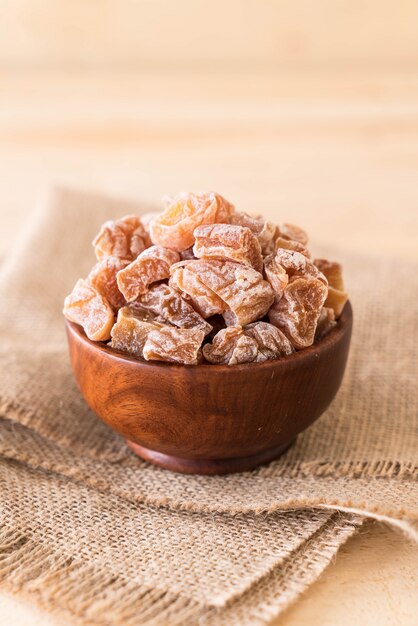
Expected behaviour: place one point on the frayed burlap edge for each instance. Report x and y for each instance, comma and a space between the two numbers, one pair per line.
84, 595
382, 468
24, 445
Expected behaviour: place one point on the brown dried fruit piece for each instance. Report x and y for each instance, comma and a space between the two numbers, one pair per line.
276, 275
290, 244
188, 282
131, 330
294, 233
103, 278
174, 227
242, 289
266, 232
230, 346
297, 265
296, 314
152, 265
332, 271
85, 306
326, 322
256, 342
337, 297
271, 342
176, 345
165, 301
124, 238
228, 241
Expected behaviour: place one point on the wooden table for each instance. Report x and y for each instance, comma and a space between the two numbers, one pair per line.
335, 152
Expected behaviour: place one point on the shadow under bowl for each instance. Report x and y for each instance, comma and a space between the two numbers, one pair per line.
210, 419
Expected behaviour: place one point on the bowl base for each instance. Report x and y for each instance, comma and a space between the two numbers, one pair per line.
209, 467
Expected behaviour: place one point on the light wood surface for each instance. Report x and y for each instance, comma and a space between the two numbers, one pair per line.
335, 152
196, 33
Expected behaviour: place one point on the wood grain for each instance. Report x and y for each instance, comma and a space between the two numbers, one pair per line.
210, 419
194, 33
333, 149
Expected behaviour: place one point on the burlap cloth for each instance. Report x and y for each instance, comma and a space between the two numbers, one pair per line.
100, 537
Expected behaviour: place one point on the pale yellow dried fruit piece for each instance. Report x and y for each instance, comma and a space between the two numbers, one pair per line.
103, 278
291, 244
326, 322
336, 300
124, 238
266, 232
151, 266
230, 346
276, 275
242, 289
228, 241
131, 330
337, 296
296, 314
86, 307
187, 281
272, 343
175, 345
297, 265
295, 233
163, 300
174, 227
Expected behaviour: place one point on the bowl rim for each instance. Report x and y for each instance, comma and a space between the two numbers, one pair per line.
343, 326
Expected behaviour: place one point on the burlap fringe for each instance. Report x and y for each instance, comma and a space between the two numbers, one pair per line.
347, 469
296, 469
91, 596
69, 589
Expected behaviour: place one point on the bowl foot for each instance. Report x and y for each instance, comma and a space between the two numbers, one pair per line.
209, 467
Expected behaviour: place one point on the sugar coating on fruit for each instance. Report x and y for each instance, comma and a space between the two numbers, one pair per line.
291, 244
230, 346
86, 307
124, 238
229, 242
174, 227
151, 266
175, 345
198, 269
276, 275
102, 277
131, 330
167, 302
255, 343
264, 230
272, 343
187, 281
296, 314
240, 292
297, 265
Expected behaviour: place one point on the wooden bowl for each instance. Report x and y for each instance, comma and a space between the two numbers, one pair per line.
210, 419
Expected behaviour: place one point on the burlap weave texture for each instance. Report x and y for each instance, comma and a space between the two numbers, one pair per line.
360, 455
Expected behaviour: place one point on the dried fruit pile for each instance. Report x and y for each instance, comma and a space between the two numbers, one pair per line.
202, 282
